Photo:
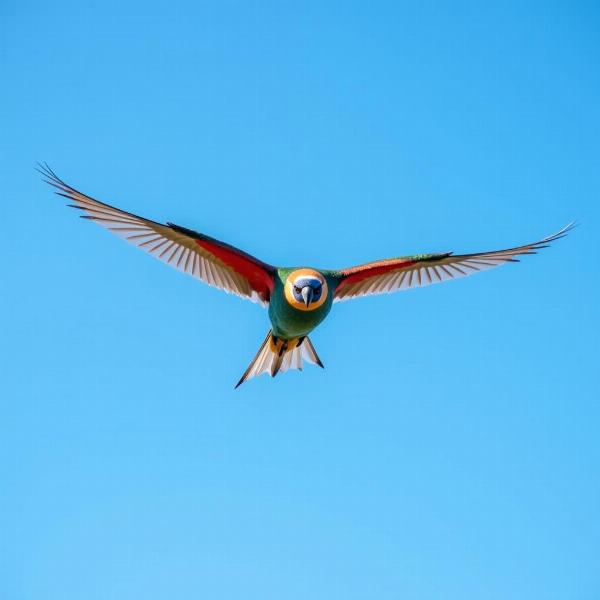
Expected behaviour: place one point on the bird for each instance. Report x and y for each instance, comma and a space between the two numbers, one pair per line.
297, 298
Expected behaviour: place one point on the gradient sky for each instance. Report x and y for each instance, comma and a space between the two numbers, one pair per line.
450, 448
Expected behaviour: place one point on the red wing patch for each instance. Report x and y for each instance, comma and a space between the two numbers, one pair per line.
258, 277
356, 274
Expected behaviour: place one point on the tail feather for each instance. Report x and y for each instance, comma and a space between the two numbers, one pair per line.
311, 353
278, 356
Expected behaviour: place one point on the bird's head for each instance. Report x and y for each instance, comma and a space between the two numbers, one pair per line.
305, 289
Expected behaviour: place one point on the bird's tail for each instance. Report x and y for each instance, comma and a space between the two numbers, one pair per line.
277, 356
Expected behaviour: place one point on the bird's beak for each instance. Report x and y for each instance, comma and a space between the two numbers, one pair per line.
307, 294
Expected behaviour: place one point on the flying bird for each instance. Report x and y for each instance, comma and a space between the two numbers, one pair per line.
297, 298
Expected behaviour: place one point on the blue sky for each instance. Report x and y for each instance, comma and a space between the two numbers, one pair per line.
449, 449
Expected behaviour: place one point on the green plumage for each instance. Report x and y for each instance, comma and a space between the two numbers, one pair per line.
289, 322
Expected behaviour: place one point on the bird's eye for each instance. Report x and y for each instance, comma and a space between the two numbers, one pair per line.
297, 289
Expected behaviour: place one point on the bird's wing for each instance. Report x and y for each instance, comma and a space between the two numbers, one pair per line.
393, 274
201, 256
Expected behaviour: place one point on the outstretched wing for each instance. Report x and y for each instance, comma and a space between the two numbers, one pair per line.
393, 274
201, 256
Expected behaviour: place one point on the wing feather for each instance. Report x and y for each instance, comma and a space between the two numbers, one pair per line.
214, 262
393, 274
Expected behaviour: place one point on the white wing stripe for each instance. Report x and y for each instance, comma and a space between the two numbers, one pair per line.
157, 247
152, 240
435, 270
187, 261
166, 249
165, 242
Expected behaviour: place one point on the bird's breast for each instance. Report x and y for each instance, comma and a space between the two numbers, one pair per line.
290, 321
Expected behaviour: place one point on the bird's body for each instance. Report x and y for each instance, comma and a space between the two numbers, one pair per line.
289, 319
299, 298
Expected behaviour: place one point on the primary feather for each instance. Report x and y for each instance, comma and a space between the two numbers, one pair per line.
394, 274
216, 263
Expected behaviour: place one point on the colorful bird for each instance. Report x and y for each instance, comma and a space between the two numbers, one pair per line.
298, 298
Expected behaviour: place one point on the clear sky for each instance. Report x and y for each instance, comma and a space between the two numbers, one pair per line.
450, 448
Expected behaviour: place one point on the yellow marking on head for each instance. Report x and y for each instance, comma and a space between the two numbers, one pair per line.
301, 274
